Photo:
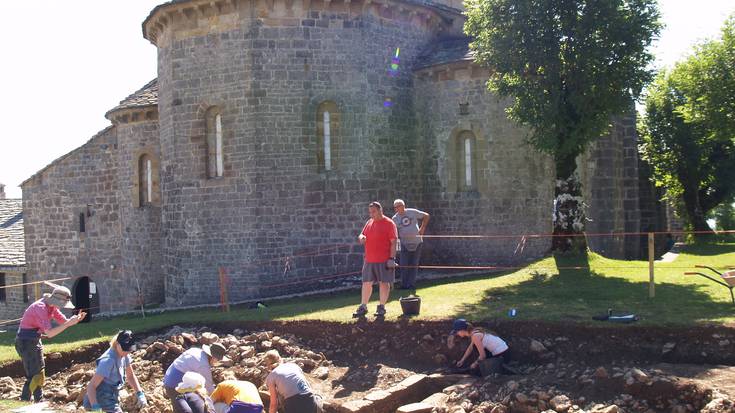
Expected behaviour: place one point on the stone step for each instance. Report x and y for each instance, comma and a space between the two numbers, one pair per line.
401, 395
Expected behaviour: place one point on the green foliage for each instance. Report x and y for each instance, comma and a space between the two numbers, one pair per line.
688, 133
724, 215
569, 65
708, 79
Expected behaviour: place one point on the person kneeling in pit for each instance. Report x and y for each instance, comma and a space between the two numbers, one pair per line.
237, 396
113, 370
494, 354
191, 395
288, 387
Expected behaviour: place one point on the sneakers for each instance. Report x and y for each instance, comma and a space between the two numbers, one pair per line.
361, 311
380, 311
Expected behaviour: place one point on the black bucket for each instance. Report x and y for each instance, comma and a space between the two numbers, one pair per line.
410, 305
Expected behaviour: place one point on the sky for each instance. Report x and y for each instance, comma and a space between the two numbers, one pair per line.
66, 63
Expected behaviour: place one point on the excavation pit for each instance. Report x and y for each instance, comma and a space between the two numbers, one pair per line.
406, 366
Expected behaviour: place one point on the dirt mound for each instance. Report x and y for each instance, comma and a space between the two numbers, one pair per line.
379, 367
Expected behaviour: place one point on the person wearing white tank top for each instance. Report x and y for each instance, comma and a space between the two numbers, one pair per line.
487, 345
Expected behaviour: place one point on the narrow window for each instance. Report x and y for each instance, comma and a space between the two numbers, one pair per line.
327, 136
215, 144
149, 180
2, 287
218, 145
82, 224
145, 180
327, 143
468, 162
25, 287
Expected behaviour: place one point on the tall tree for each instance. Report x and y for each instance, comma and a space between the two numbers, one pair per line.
688, 132
570, 67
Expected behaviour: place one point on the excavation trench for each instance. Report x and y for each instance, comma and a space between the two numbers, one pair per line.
381, 366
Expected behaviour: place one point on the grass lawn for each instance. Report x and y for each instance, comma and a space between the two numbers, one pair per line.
6, 405
538, 291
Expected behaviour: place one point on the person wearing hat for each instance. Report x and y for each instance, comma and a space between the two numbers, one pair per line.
197, 360
238, 396
494, 353
289, 388
35, 324
191, 396
114, 368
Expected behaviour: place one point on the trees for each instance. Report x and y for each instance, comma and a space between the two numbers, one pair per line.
688, 132
570, 66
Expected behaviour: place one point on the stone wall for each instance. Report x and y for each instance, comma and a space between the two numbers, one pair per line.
82, 183
268, 74
140, 223
16, 298
609, 173
515, 191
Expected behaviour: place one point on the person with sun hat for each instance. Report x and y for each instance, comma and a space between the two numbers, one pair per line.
36, 324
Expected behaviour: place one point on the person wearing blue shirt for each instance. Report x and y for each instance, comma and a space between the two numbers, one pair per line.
114, 369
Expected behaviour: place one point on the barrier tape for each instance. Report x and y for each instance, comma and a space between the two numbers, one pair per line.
36, 282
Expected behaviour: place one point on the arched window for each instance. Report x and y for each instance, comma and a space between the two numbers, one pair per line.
327, 129
467, 161
215, 145
145, 179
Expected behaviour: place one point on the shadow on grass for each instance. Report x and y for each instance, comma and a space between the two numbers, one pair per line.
577, 294
709, 249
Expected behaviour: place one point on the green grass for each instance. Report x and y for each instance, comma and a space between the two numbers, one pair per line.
538, 291
6, 405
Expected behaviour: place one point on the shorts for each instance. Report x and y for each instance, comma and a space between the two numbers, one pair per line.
377, 272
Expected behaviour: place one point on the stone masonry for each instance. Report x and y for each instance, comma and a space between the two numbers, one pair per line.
277, 217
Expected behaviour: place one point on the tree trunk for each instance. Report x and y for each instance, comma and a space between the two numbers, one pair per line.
569, 216
694, 212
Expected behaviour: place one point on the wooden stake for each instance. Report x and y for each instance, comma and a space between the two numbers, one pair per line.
223, 287
651, 256
140, 297
37, 291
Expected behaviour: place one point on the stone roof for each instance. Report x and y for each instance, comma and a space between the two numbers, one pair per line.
443, 52
145, 96
12, 245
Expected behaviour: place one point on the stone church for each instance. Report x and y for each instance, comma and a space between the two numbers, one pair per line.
251, 158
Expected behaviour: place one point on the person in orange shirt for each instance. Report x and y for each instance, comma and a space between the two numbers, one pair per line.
237, 396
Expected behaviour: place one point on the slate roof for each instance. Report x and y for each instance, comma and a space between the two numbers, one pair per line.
445, 51
12, 245
145, 96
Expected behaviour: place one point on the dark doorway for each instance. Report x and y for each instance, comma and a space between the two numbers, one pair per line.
85, 297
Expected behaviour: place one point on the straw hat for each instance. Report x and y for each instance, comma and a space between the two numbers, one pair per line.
216, 351
60, 297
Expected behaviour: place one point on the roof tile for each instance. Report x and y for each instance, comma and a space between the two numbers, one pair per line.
12, 246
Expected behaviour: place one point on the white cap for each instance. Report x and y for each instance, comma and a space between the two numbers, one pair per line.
190, 382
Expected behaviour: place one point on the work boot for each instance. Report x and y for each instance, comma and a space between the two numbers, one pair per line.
361, 311
380, 311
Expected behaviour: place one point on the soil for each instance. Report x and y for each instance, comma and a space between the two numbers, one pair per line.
564, 367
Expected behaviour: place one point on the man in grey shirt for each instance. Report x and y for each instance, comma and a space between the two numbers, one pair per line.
288, 387
409, 234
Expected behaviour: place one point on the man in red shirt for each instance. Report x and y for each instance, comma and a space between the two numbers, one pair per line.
379, 236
